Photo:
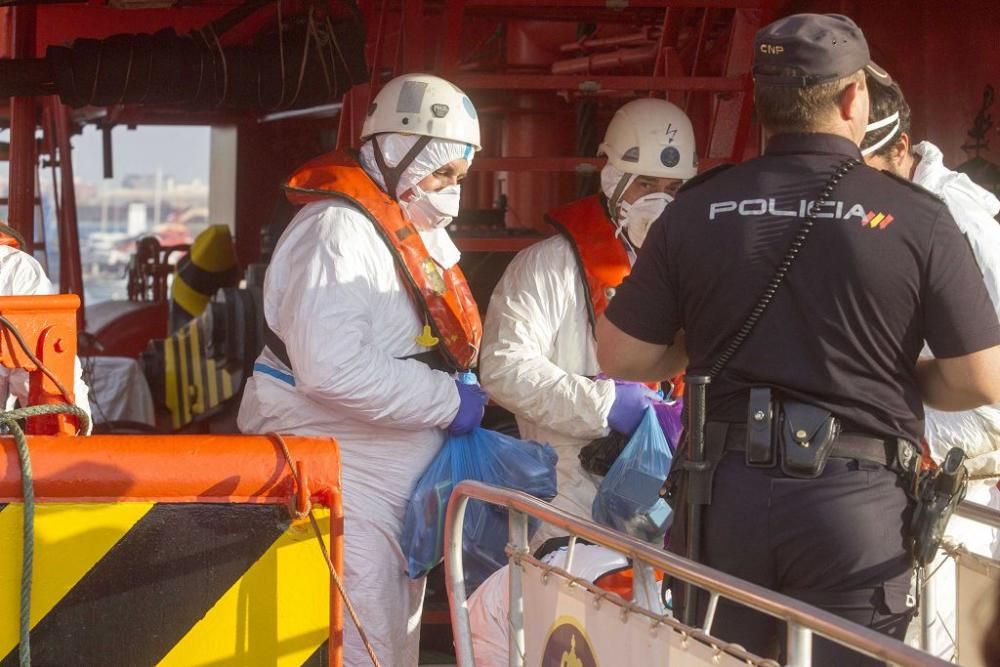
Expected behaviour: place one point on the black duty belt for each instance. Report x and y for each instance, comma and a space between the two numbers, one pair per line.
847, 445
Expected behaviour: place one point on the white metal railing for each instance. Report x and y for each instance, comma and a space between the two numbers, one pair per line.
979, 513
803, 620
929, 588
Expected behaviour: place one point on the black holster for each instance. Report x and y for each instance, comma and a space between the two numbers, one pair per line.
936, 494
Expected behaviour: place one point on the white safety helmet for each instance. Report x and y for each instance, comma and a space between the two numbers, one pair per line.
425, 105
651, 137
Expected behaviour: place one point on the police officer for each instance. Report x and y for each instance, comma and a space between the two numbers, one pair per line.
883, 268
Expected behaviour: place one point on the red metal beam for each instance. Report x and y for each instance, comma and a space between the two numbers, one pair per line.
597, 11
604, 4
23, 159
70, 270
413, 36
592, 84
731, 117
546, 164
698, 48
448, 57
375, 55
605, 61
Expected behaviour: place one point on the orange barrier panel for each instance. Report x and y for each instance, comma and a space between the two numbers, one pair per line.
189, 480
47, 325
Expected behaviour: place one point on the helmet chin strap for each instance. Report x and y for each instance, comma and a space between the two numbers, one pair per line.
616, 196
393, 174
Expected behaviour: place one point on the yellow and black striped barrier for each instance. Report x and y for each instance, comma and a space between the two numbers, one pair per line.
173, 550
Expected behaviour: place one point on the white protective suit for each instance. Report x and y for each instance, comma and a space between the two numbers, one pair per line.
539, 355
333, 295
976, 431
22, 275
537, 358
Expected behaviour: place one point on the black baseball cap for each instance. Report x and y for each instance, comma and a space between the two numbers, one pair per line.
808, 49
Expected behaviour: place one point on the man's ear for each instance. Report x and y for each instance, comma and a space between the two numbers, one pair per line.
850, 104
901, 148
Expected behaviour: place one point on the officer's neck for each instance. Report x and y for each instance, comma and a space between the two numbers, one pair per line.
839, 129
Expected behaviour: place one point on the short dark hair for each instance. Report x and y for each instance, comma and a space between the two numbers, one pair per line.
885, 101
784, 108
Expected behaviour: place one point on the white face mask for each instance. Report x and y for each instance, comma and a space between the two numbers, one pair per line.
635, 218
432, 210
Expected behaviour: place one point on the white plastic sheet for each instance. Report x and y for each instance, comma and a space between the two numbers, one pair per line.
118, 390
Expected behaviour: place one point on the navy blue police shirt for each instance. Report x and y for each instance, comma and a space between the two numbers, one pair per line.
884, 269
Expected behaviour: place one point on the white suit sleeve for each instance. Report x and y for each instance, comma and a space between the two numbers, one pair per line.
976, 431
338, 274
531, 301
22, 275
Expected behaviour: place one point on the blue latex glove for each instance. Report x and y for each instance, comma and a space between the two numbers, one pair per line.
631, 401
471, 407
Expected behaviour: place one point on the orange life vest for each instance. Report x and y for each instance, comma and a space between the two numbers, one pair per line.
10, 240
621, 581
442, 295
600, 256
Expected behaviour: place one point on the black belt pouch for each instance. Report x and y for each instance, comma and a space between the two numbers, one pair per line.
761, 427
806, 439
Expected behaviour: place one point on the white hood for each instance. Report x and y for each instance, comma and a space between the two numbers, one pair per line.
933, 175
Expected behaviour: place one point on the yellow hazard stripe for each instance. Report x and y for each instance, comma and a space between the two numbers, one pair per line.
70, 539
877, 219
213, 382
227, 385
190, 299
170, 385
198, 405
289, 620
183, 356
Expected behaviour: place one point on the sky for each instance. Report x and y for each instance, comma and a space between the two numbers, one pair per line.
181, 151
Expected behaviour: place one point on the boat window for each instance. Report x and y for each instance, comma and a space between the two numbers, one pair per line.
160, 187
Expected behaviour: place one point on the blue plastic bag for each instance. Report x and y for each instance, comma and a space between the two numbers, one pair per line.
485, 456
629, 496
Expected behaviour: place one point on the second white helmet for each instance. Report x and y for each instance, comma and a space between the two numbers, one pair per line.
651, 137
426, 105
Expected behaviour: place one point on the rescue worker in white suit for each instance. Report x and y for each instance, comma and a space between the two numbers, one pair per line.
887, 146
538, 358
366, 303
22, 275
